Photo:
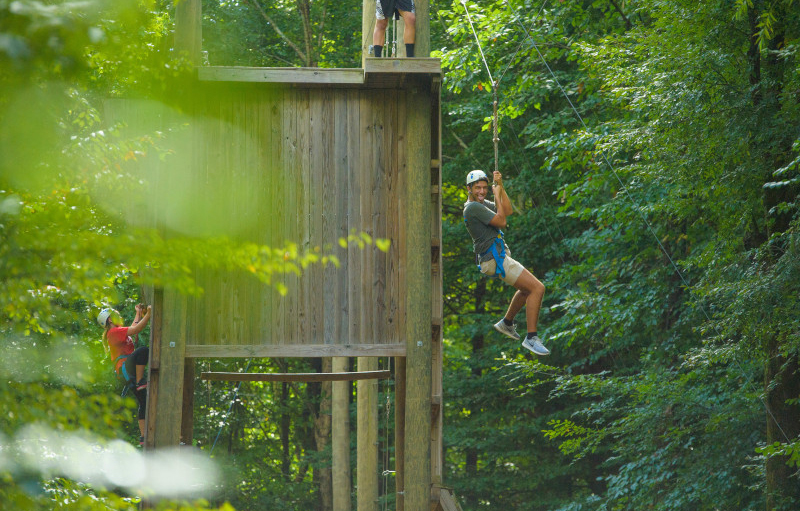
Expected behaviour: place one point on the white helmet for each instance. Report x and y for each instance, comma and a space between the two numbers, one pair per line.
476, 175
103, 316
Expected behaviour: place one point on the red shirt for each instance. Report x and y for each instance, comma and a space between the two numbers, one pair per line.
119, 344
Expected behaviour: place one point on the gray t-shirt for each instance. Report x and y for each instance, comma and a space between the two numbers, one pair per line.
477, 215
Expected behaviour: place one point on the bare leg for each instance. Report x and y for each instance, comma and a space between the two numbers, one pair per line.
139, 373
141, 427
530, 291
516, 304
379, 34
410, 28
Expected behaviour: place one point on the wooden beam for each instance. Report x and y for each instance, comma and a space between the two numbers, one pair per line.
399, 431
301, 377
367, 439
340, 434
422, 39
170, 357
448, 501
426, 66
367, 27
187, 414
188, 29
295, 351
299, 75
418, 301
437, 307
154, 365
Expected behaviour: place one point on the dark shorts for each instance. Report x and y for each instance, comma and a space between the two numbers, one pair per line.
139, 357
392, 7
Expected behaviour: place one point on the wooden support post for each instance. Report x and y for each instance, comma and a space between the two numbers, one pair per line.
422, 45
341, 438
367, 428
367, 28
154, 364
188, 29
400, 37
170, 359
418, 300
437, 310
187, 412
399, 430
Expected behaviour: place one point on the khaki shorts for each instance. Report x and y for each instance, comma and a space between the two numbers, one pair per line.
512, 268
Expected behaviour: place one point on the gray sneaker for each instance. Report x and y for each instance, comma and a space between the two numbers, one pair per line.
504, 329
535, 345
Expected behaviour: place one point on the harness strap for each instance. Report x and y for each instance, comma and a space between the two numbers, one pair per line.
498, 251
122, 373
499, 255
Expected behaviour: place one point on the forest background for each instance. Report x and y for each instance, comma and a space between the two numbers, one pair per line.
651, 149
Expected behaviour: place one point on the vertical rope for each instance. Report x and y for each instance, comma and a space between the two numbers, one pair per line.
495, 127
394, 34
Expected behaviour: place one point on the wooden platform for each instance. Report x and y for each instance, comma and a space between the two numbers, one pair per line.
297, 377
383, 73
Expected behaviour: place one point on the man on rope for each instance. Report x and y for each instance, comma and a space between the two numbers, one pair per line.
398, 8
484, 220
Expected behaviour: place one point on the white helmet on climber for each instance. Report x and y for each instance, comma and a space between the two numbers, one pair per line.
104, 315
475, 176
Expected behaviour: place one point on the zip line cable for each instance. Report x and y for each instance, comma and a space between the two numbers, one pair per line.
644, 219
522, 41
235, 396
496, 83
495, 87
603, 154
469, 18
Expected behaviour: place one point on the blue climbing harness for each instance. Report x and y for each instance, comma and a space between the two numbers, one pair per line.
498, 251
122, 375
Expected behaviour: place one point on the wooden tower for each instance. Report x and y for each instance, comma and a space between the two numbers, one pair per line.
318, 154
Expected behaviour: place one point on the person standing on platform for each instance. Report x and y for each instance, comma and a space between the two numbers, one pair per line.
484, 220
398, 8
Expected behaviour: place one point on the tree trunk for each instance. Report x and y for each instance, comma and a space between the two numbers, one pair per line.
782, 382
285, 427
304, 8
471, 461
782, 374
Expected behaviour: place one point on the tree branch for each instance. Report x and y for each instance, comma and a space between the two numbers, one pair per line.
304, 7
322, 25
277, 29
628, 24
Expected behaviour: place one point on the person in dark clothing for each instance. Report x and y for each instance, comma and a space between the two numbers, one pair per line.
385, 9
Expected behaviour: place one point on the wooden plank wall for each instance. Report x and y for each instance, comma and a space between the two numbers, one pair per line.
307, 166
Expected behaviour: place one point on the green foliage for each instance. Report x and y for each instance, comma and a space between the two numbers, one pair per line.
664, 226
287, 33
664, 223
74, 237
